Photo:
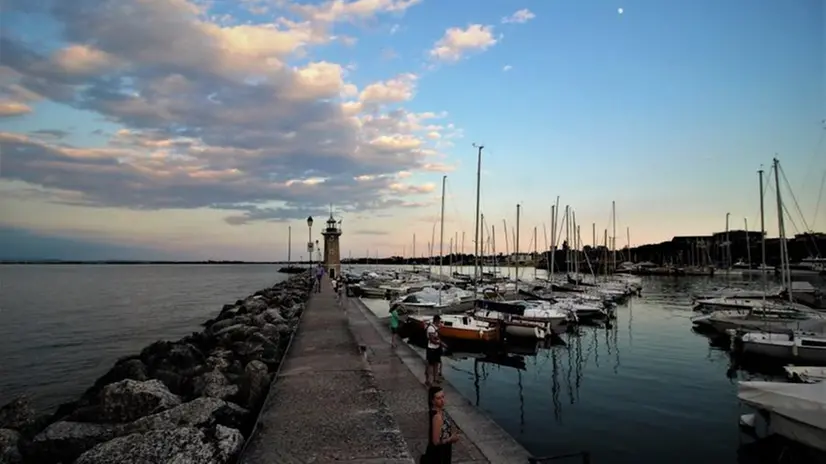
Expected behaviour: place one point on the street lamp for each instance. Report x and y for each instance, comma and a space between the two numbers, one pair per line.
310, 239
318, 250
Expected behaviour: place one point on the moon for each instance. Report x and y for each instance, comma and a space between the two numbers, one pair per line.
619, 10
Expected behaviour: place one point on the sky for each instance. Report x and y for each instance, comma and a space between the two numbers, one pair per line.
192, 129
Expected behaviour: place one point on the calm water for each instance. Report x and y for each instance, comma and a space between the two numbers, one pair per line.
646, 389
62, 326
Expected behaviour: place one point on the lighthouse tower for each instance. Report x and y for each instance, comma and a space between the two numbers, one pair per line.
332, 255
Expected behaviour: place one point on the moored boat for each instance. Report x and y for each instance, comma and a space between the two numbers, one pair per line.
460, 327
801, 346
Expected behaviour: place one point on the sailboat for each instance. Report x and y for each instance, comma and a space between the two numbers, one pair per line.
290, 269
763, 315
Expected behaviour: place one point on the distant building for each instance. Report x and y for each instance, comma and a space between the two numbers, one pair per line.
521, 258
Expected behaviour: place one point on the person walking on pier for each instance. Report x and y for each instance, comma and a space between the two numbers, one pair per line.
319, 273
433, 353
440, 436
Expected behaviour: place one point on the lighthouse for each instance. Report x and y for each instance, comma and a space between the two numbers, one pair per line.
332, 255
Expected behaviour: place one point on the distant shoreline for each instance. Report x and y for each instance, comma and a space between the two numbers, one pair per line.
147, 262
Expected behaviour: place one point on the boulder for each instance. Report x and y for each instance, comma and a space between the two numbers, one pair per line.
253, 305
17, 414
128, 400
273, 316
64, 441
228, 442
9, 451
214, 384
200, 412
186, 445
254, 384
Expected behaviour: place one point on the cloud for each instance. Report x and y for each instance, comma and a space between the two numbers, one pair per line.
50, 133
396, 90
216, 115
519, 17
370, 232
458, 42
9, 109
507, 68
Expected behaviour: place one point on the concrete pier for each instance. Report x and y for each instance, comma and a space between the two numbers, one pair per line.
325, 406
344, 395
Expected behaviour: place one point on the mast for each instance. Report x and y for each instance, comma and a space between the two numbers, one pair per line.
614, 235
456, 245
476, 244
628, 239
289, 245
762, 233
552, 264
748, 245
493, 247
518, 207
727, 254
574, 251
784, 258
535, 252
567, 240
442, 238
481, 245
594, 234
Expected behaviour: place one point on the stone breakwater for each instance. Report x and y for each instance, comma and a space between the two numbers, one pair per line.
194, 400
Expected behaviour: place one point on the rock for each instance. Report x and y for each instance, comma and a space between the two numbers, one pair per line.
179, 357
229, 330
273, 316
254, 305
128, 400
214, 384
254, 384
17, 414
126, 368
200, 412
186, 445
228, 442
219, 359
222, 324
64, 441
9, 452
291, 312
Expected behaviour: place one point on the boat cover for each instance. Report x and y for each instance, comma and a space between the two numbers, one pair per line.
798, 411
506, 307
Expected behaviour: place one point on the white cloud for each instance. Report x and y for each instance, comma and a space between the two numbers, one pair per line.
458, 42
399, 89
216, 114
519, 17
507, 68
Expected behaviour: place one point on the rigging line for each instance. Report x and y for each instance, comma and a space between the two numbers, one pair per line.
815, 153
819, 198
796, 204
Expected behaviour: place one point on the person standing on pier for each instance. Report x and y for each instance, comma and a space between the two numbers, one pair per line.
441, 436
319, 273
394, 324
433, 353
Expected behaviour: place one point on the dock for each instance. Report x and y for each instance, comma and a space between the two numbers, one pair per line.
343, 395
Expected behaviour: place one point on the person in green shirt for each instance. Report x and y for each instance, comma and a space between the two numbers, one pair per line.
394, 325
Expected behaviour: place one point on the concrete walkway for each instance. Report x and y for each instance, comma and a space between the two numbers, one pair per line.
400, 375
325, 405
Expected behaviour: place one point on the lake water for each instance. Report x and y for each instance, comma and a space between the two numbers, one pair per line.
62, 326
646, 389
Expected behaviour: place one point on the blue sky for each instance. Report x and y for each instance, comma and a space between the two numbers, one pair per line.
206, 129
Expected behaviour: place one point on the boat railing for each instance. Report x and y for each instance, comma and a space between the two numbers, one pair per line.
584, 456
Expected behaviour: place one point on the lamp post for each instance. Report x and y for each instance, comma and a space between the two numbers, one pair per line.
310, 239
318, 252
